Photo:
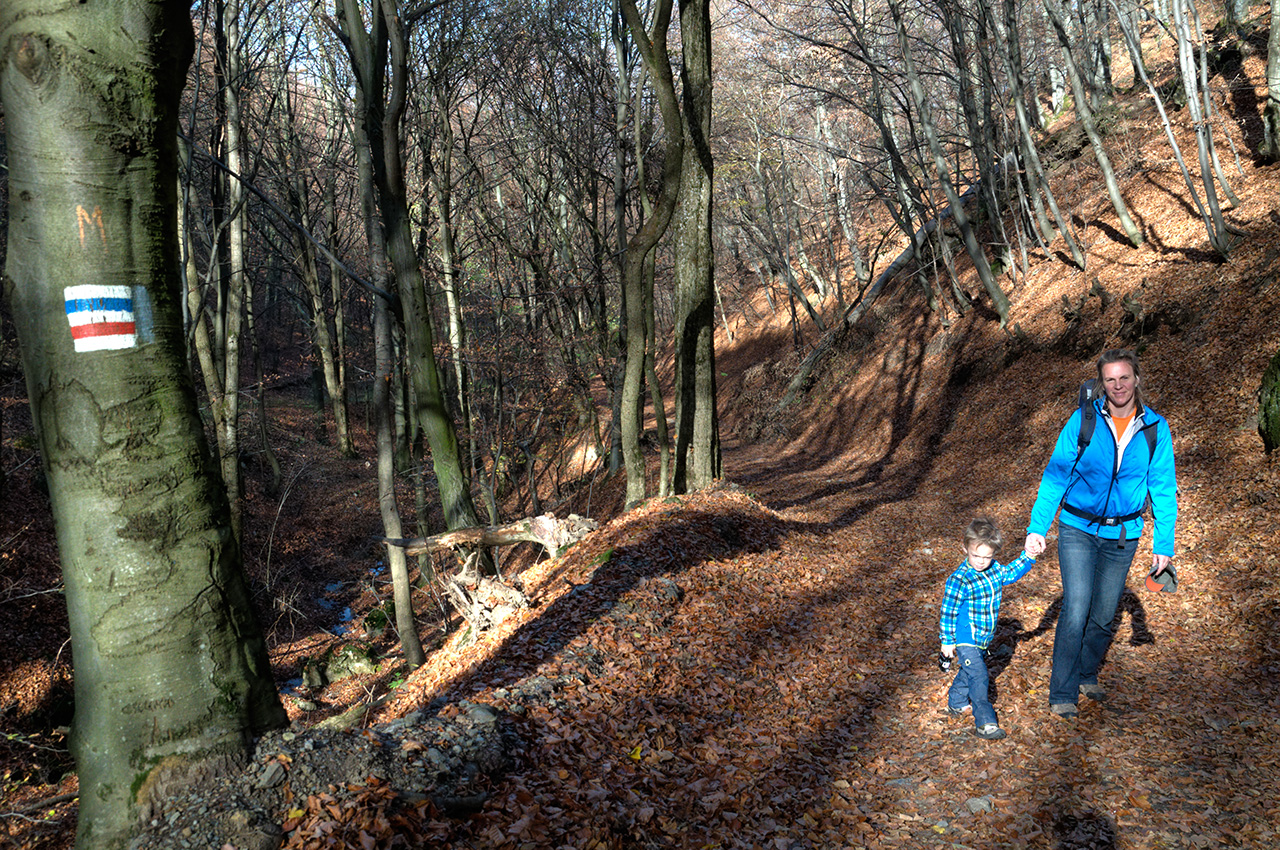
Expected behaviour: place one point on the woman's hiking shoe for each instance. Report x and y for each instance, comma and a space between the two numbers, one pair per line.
959, 712
990, 732
1095, 692
1065, 710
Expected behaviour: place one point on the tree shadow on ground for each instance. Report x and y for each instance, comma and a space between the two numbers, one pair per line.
899, 399
1245, 106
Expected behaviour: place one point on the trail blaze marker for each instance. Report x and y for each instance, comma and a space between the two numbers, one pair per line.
101, 317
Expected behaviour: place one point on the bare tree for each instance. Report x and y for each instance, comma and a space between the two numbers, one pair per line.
998, 299
1085, 113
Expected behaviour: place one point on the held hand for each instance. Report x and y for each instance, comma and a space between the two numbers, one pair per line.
949, 650
1035, 545
1160, 563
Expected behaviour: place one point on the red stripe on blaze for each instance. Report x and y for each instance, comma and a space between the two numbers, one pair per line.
102, 329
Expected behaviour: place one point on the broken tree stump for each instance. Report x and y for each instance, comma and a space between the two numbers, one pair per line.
554, 534
486, 602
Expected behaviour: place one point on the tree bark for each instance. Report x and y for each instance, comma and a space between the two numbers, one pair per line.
1270, 149
171, 671
653, 51
697, 459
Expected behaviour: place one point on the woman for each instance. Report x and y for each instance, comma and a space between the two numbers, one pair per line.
1102, 490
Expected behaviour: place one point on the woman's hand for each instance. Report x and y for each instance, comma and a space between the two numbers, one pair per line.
1160, 563
1035, 545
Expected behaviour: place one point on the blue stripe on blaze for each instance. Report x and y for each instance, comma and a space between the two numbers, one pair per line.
80, 305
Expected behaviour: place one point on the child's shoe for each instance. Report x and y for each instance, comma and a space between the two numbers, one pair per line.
990, 732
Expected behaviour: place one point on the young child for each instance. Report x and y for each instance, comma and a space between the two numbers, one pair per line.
970, 604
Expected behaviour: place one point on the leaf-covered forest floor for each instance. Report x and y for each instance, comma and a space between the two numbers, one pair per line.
788, 698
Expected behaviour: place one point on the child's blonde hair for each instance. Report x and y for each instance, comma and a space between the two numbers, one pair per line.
983, 530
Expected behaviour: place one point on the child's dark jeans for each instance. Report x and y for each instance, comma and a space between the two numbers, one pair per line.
971, 686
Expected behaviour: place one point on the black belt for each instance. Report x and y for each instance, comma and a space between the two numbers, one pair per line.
1102, 520
1106, 520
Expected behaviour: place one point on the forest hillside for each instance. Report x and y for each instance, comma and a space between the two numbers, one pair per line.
754, 666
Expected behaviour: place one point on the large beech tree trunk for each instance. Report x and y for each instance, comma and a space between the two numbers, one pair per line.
171, 671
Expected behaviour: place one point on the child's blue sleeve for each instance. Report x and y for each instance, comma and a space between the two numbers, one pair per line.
1018, 567
953, 599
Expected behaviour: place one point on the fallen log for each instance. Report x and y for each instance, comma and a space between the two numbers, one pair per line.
555, 535
486, 602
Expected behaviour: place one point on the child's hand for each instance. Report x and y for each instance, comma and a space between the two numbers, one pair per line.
945, 657
1035, 545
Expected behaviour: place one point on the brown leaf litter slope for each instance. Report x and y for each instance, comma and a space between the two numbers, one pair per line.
786, 695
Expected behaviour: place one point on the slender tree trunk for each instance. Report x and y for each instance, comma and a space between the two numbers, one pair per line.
698, 460
438, 165
653, 50
998, 299
382, 99
1216, 237
260, 397
1270, 149
1038, 182
1204, 133
232, 277
172, 677
1207, 98
662, 433
1095, 40
340, 401
1091, 130
384, 386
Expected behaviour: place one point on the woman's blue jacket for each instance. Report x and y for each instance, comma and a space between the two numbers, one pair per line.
1111, 479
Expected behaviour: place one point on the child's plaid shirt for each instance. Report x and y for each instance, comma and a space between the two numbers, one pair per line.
971, 601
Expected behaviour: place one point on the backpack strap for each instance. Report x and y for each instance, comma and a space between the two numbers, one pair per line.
1150, 431
1088, 415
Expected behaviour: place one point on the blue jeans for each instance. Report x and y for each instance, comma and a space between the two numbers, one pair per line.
1093, 574
971, 686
